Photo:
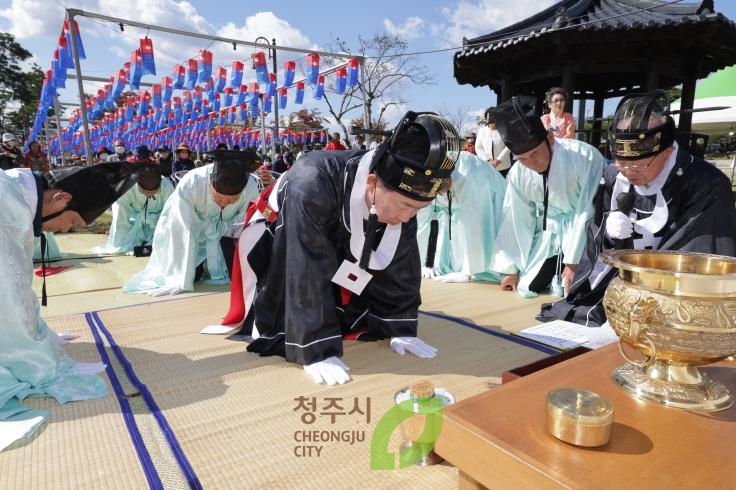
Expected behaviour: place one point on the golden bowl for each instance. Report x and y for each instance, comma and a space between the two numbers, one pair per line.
679, 310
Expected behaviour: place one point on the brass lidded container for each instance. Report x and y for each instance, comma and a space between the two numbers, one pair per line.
579, 417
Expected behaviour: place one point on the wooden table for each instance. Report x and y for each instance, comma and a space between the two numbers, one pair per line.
499, 439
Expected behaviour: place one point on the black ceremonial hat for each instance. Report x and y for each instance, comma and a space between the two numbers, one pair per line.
93, 188
518, 123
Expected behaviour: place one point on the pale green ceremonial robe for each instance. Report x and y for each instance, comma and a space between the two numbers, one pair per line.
477, 203
53, 252
521, 244
188, 234
31, 362
134, 218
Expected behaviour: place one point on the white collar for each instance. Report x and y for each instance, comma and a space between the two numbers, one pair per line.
384, 254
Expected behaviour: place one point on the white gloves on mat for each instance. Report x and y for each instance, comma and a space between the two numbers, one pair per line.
453, 277
415, 345
428, 272
331, 371
619, 226
164, 292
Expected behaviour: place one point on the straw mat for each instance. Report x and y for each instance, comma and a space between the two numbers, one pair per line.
234, 418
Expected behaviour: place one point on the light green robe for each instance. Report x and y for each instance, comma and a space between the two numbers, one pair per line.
188, 233
477, 204
521, 245
134, 218
53, 252
31, 362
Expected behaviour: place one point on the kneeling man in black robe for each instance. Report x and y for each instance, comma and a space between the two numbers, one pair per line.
656, 196
330, 250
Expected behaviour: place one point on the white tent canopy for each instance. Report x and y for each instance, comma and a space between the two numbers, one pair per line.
719, 89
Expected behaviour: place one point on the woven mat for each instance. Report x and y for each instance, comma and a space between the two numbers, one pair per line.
234, 415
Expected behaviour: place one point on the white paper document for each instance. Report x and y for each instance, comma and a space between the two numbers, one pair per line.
565, 335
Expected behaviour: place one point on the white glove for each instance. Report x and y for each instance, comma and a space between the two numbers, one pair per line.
619, 226
163, 292
331, 371
453, 277
428, 272
415, 345
83, 368
63, 338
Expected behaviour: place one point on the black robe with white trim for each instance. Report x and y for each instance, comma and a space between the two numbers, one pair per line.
298, 310
701, 218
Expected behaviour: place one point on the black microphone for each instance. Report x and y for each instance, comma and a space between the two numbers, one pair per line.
625, 202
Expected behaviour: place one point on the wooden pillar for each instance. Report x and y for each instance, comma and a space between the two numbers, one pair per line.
506, 89
686, 117
596, 137
581, 120
652, 75
568, 83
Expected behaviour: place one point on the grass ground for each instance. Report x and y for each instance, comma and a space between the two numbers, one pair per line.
100, 226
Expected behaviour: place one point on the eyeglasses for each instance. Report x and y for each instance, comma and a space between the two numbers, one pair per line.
558, 101
634, 167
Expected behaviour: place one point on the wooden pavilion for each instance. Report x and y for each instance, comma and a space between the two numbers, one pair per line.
598, 49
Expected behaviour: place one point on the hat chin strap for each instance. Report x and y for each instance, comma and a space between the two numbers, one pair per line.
55, 215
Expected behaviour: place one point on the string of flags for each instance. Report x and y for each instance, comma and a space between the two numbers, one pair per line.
207, 100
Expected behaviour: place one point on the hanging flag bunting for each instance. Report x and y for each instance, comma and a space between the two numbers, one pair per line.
322, 137
144, 100
197, 98
118, 87
341, 81
243, 112
228, 97
209, 87
205, 66
242, 93
220, 79
266, 104
77, 35
289, 72
205, 108
254, 110
186, 99
319, 90
236, 74
65, 55
312, 70
192, 74
231, 115
147, 60
167, 88
272, 85
156, 98
283, 98
253, 93
216, 107
136, 69
259, 65
353, 67
299, 98
178, 76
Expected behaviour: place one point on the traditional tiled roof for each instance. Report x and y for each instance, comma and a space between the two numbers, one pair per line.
604, 26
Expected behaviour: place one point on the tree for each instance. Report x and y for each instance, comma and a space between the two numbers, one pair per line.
460, 117
19, 89
387, 70
303, 120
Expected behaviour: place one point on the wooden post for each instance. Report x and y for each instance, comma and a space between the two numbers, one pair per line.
595, 138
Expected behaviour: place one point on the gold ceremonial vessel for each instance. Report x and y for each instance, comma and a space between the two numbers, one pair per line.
679, 310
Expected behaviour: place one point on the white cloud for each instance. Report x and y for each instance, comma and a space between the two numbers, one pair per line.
411, 28
473, 18
28, 18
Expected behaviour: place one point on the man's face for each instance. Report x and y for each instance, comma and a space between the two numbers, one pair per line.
391, 207
643, 171
53, 203
223, 200
163, 154
537, 158
183, 154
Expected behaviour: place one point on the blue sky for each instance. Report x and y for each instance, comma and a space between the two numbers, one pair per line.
426, 25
